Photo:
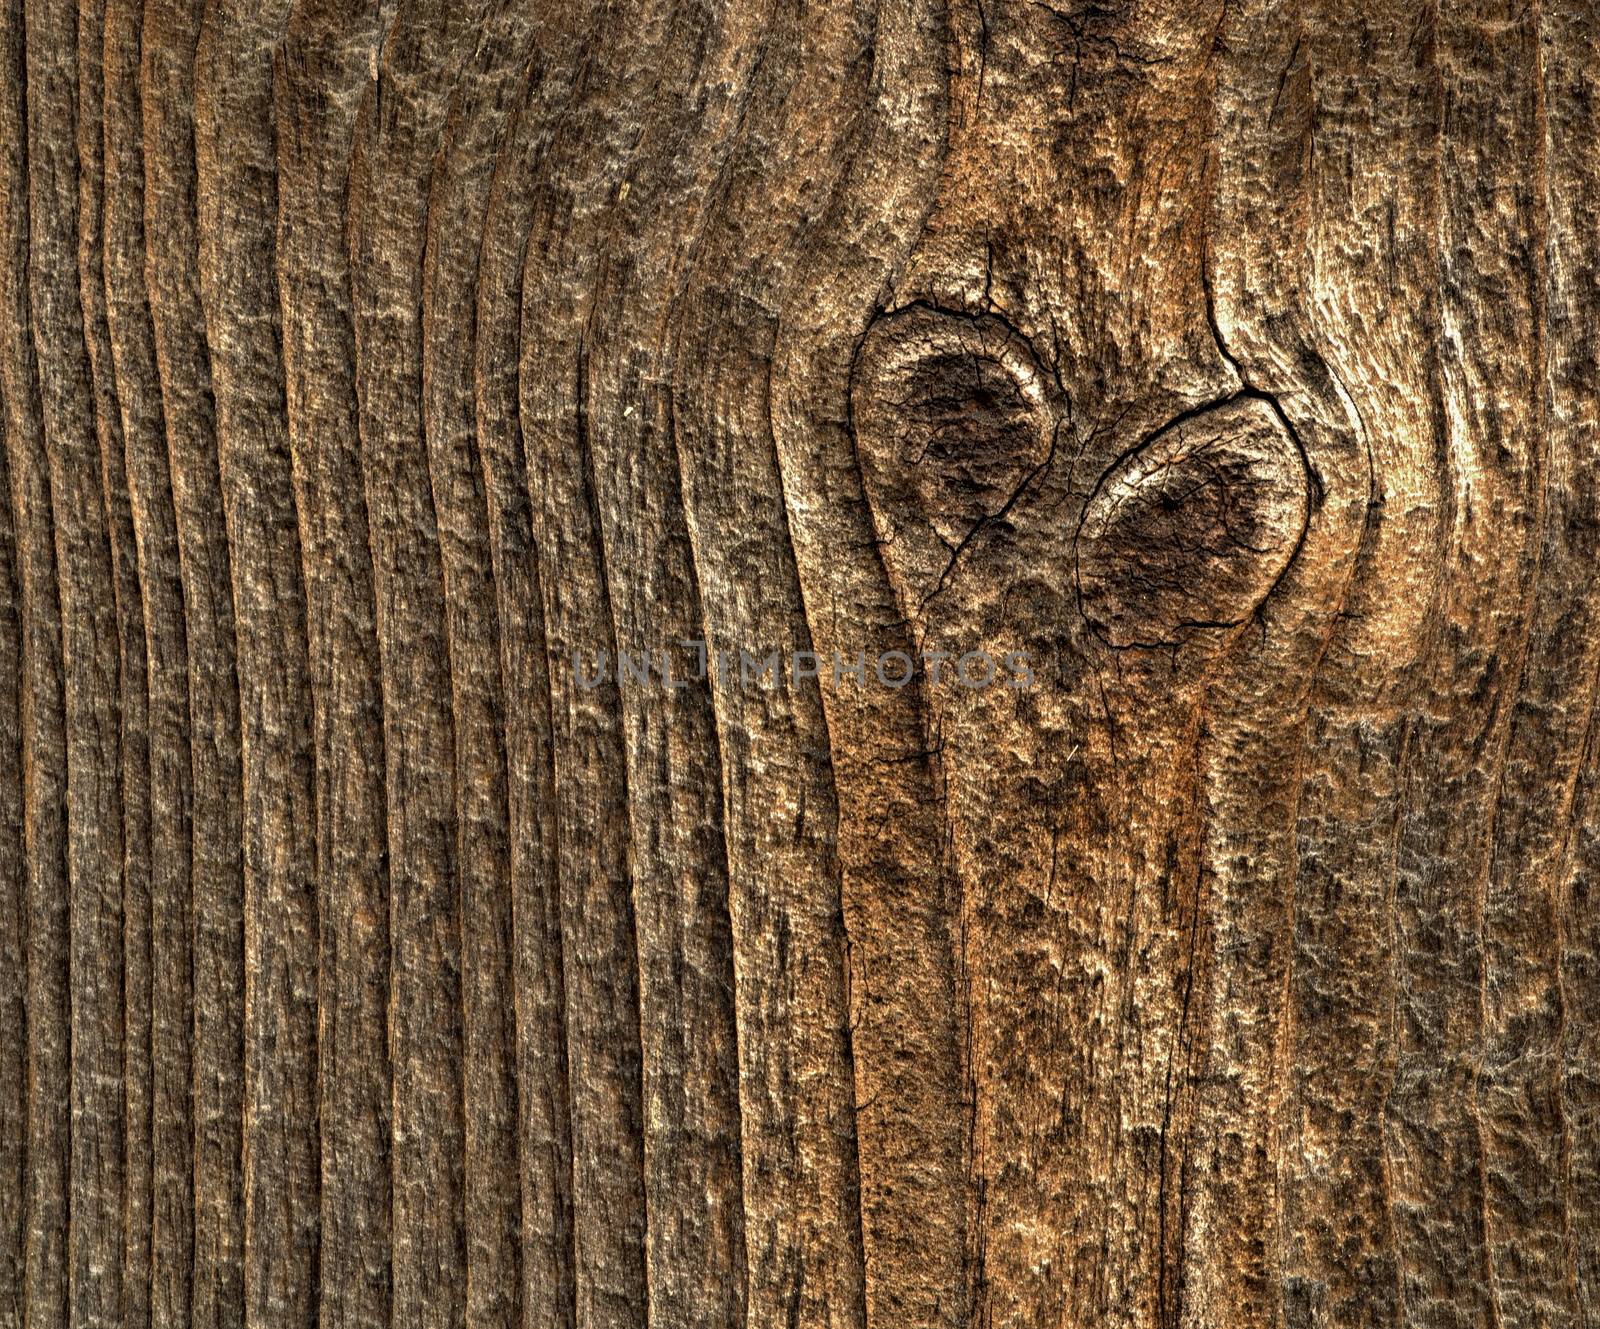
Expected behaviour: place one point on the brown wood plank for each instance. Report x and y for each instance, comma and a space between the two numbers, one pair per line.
469, 469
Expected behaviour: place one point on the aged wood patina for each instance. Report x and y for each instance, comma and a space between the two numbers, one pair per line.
864, 665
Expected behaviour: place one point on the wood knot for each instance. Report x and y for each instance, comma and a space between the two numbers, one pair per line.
953, 416
1192, 529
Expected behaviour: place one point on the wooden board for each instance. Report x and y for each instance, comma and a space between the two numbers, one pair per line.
725, 664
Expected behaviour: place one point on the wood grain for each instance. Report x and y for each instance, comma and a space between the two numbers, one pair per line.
503, 821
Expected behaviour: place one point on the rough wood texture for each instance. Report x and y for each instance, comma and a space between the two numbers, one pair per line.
503, 817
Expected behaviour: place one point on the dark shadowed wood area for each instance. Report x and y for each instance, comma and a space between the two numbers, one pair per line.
857, 665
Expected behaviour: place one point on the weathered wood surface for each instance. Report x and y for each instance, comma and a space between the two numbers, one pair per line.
1234, 366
